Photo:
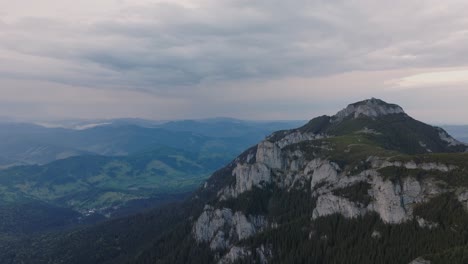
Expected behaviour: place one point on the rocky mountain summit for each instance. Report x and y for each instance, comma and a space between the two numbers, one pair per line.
370, 108
368, 159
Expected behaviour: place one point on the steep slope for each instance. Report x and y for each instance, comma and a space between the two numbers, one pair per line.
367, 185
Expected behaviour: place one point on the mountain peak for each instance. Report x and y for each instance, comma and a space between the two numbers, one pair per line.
371, 108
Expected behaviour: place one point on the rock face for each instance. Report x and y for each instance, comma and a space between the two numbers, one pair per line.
329, 204
322, 170
393, 202
371, 108
221, 227
270, 157
269, 154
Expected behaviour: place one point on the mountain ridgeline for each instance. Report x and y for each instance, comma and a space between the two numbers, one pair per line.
367, 185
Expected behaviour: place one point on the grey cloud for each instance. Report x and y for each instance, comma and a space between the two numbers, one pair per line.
167, 49
271, 39
179, 46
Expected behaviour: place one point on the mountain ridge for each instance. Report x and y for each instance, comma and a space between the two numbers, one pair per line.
222, 227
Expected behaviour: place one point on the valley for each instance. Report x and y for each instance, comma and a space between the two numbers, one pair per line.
70, 177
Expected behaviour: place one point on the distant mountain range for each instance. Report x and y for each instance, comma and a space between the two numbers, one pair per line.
22, 144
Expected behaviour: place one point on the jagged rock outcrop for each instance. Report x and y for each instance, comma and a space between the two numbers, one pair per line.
269, 154
221, 227
329, 204
249, 176
393, 201
322, 170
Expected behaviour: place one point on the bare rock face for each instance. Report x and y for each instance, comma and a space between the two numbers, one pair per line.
269, 153
247, 177
393, 201
221, 227
330, 204
371, 108
269, 156
322, 170
210, 226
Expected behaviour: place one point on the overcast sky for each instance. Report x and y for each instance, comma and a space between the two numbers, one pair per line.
249, 59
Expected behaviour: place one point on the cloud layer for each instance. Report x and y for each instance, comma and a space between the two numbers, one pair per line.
207, 57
